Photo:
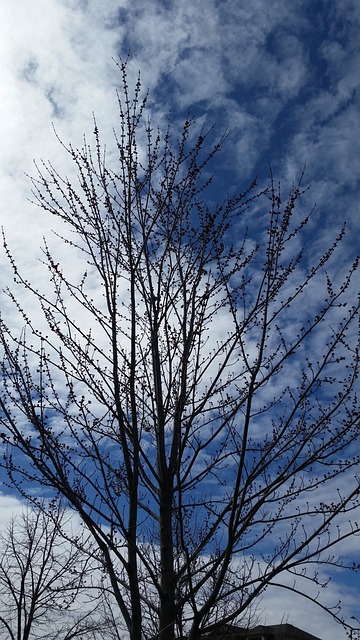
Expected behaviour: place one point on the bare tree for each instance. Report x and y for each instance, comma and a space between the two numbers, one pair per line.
42, 579
190, 397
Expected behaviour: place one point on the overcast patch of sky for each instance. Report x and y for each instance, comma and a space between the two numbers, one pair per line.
282, 76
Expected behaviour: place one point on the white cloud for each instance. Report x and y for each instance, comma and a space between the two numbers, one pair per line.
10, 506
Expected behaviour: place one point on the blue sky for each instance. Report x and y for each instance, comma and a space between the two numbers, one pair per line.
283, 77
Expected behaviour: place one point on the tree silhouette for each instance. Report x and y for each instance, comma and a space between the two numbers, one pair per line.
191, 398
41, 579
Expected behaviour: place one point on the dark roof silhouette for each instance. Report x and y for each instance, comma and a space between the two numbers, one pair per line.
281, 632
262, 632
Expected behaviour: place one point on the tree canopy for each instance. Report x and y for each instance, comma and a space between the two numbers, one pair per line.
190, 396
42, 579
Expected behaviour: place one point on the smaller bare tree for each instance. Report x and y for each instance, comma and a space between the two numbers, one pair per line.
43, 578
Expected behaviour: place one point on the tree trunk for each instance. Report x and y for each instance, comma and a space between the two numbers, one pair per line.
167, 597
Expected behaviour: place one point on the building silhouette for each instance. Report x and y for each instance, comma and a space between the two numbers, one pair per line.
262, 632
